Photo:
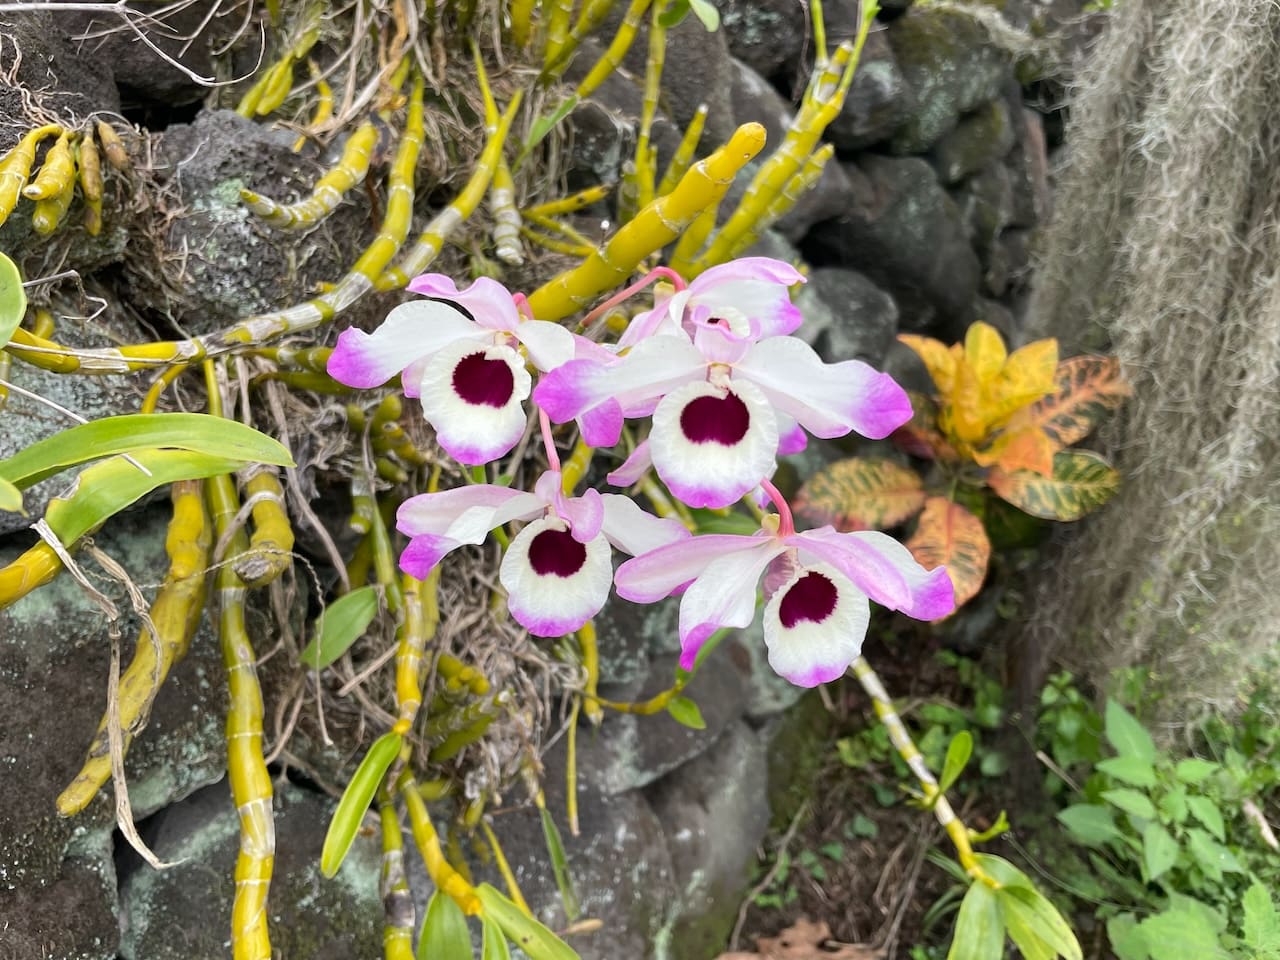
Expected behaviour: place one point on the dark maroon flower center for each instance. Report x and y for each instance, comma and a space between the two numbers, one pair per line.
723, 420
483, 382
555, 553
813, 597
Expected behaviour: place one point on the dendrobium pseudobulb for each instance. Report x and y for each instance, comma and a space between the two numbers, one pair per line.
728, 390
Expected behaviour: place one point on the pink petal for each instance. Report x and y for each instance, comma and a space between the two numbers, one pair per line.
791, 436
411, 331
633, 468
828, 400
883, 569
601, 426
488, 301
659, 573
814, 625
554, 583
473, 395
711, 445
633, 531
465, 514
585, 515
419, 558
754, 288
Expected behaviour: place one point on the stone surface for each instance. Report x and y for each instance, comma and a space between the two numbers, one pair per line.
907, 236
764, 34
978, 141
986, 208
950, 68
185, 911
878, 102
863, 318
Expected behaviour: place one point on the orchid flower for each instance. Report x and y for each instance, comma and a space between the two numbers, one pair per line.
727, 390
558, 569
817, 585
458, 351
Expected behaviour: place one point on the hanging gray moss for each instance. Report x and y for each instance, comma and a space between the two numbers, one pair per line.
1166, 247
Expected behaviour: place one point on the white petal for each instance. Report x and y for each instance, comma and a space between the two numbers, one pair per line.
814, 625
549, 344
411, 331
633, 531
633, 468
724, 595
562, 585
486, 419
710, 445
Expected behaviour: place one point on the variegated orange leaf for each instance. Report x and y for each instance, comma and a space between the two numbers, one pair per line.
950, 535
860, 494
920, 435
1086, 389
1081, 482
1027, 449
1027, 376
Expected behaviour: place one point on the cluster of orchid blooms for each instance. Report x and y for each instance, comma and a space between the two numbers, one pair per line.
728, 390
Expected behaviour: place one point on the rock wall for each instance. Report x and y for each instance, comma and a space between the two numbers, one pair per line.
923, 222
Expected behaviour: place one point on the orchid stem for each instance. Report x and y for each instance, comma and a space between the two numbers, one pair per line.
549, 442
657, 273
786, 523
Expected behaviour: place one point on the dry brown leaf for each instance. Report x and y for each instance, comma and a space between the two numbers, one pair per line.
805, 940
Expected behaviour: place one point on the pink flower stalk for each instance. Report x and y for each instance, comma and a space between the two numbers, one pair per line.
558, 570
458, 351
727, 389
817, 585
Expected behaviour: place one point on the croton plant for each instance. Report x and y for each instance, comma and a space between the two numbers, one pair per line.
998, 425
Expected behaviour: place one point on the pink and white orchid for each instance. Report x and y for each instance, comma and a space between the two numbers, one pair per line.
817, 585
458, 351
723, 405
558, 569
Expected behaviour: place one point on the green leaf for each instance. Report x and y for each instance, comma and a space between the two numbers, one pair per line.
1195, 770
1261, 926
686, 713
355, 801
1173, 805
674, 13
444, 931
560, 865
1003, 872
959, 750
1127, 939
1029, 909
1159, 850
494, 944
342, 623
1091, 824
1127, 735
105, 488
11, 498
13, 299
1207, 812
707, 13
1214, 859
979, 933
1080, 483
198, 432
1131, 802
1180, 935
525, 932
1133, 770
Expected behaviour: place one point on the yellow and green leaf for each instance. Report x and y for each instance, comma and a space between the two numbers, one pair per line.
1027, 448
1081, 482
950, 535
984, 352
13, 298
1086, 389
860, 494
938, 358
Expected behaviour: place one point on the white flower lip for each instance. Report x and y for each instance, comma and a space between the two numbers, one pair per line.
554, 583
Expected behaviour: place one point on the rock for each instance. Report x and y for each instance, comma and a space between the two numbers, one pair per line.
715, 811
1009, 265
1029, 164
864, 319
878, 102
185, 911
950, 67
986, 208
765, 35
755, 100
237, 265
978, 141
602, 141
54, 660
906, 235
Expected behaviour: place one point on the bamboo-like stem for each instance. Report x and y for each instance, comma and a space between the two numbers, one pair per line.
15, 166
504, 869
683, 156
327, 194
590, 651
646, 154
393, 885
502, 189
446, 878
270, 550
570, 204
786, 200
417, 629
558, 15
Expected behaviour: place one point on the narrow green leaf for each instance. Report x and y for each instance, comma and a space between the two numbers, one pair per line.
1159, 850
1127, 735
686, 713
707, 13
342, 623
1003, 872
495, 943
198, 432
1195, 770
675, 12
560, 865
959, 750
525, 932
545, 125
1207, 812
1031, 910
1131, 770
355, 801
13, 299
105, 488
11, 498
979, 933
1131, 802
1091, 824
444, 933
